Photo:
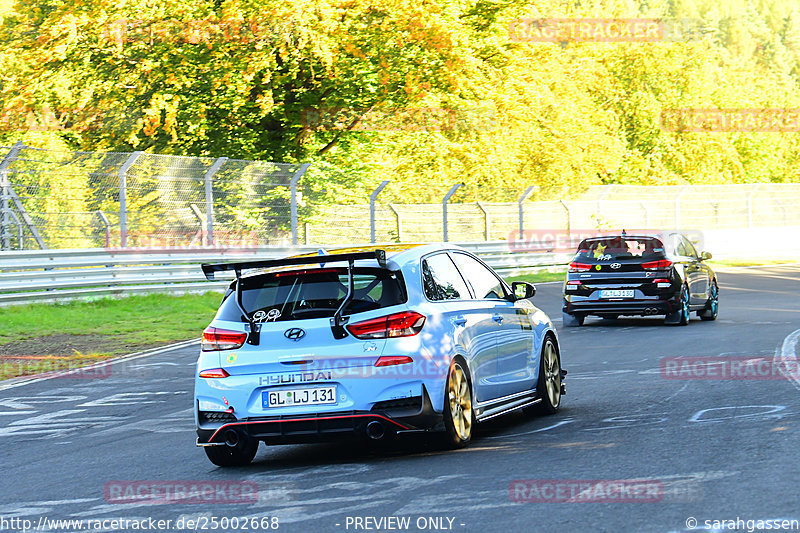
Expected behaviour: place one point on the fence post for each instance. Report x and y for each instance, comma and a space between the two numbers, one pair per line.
750, 205
399, 222
600, 198
203, 224
646, 215
5, 236
678, 207
486, 226
106, 225
5, 196
123, 198
569, 218
293, 184
208, 180
372, 198
19, 230
522, 198
446, 198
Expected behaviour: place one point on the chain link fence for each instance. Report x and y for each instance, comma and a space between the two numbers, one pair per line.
52, 199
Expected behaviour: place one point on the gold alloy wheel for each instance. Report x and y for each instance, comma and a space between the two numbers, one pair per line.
460, 402
552, 374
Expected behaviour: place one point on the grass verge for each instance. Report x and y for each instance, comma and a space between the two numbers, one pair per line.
44, 337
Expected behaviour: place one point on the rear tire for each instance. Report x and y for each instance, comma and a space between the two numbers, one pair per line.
572, 321
712, 306
459, 417
549, 384
680, 317
226, 456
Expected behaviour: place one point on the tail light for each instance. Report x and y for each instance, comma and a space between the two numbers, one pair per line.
655, 265
572, 285
307, 271
579, 267
405, 324
391, 360
222, 339
214, 373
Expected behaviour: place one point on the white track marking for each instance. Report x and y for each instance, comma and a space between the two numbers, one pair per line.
557, 424
765, 411
788, 354
113, 361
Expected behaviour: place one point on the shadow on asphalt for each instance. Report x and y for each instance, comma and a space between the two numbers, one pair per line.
403, 447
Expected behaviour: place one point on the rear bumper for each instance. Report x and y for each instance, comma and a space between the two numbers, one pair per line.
621, 307
288, 429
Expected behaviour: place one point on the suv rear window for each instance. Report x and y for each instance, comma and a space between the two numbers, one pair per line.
618, 247
313, 293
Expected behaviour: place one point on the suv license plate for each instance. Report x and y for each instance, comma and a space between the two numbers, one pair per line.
288, 397
616, 293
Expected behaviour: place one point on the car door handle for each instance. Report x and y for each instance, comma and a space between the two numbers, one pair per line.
498, 318
460, 321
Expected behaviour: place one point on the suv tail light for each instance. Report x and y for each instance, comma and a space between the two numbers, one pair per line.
405, 324
579, 267
222, 339
655, 265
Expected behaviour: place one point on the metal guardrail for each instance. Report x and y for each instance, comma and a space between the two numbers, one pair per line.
55, 275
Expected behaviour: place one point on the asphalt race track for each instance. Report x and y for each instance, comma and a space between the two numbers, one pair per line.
715, 449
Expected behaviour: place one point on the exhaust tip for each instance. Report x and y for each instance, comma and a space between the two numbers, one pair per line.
232, 438
375, 430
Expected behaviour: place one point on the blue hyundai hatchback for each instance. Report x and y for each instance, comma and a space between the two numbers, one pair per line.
369, 343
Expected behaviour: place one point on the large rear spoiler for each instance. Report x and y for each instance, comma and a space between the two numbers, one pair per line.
337, 322
210, 269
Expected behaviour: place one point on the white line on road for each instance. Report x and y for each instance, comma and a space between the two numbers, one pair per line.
788, 354
563, 422
113, 361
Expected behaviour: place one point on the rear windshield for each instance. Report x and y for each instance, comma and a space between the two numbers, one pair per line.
610, 248
314, 293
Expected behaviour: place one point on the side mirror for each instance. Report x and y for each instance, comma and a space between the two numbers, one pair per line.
522, 290
705, 256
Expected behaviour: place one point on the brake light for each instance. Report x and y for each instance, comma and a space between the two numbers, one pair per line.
579, 267
573, 282
405, 324
214, 373
307, 271
222, 339
391, 360
655, 265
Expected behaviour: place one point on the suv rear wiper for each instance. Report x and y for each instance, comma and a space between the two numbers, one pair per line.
337, 322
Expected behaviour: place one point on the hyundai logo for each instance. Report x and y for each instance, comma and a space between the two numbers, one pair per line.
295, 334
615, 265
